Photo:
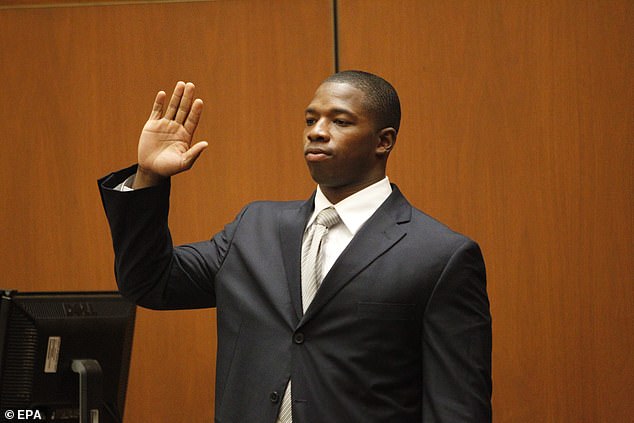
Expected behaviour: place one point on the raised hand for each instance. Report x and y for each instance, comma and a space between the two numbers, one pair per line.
165, 145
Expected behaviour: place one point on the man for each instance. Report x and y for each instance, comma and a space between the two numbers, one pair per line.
374, 313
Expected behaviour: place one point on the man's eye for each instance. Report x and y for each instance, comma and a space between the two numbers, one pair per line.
341, 122
310, 122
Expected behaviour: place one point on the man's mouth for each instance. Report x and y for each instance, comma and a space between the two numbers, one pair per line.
314, 154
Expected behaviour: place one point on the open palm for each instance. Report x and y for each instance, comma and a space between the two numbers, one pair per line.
165, 145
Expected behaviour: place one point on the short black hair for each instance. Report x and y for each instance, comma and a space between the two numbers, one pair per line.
381, 96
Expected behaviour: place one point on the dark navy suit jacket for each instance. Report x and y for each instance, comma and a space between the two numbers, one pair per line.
399, 330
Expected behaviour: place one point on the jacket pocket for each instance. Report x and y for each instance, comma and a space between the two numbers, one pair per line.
385, 311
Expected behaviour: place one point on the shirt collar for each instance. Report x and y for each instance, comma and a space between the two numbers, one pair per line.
356, 209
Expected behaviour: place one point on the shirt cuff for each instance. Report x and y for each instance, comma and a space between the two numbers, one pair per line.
126, 185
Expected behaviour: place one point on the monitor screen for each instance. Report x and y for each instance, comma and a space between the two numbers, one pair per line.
47, 338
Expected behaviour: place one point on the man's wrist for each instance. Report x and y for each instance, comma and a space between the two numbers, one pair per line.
145, 179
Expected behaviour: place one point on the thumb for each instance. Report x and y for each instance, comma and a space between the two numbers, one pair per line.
191, 155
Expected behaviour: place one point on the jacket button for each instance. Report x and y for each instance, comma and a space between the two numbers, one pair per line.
274, 397
298, 338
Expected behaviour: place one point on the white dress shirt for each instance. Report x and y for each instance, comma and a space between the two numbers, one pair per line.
354, 211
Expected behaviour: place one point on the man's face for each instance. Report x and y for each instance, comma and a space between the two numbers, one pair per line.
341, 141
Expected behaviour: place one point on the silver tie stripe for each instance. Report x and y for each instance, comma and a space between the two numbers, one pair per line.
312, 256
311, 279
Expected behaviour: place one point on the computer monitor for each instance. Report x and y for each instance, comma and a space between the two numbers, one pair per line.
65, 356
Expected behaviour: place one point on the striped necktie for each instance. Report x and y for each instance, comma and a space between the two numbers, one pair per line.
311, 279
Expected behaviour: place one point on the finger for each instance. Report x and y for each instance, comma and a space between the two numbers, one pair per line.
175, 100
194, 116
193, 153
186, 103
157, 109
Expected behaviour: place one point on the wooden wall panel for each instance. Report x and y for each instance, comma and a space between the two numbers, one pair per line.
517, 130
22, 4
77, 86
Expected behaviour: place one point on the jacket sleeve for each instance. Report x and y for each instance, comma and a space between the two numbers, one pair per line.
149, 270
457, 343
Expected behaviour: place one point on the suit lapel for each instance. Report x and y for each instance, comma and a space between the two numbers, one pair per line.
382, 231
292, 225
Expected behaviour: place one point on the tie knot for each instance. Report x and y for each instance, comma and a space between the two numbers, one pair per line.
328, 217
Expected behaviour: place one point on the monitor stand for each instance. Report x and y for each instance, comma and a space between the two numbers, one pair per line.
90, 389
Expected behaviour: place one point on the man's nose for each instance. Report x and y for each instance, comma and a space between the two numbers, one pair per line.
318, 132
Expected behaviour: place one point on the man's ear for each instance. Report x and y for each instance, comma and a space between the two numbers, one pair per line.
387, 139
